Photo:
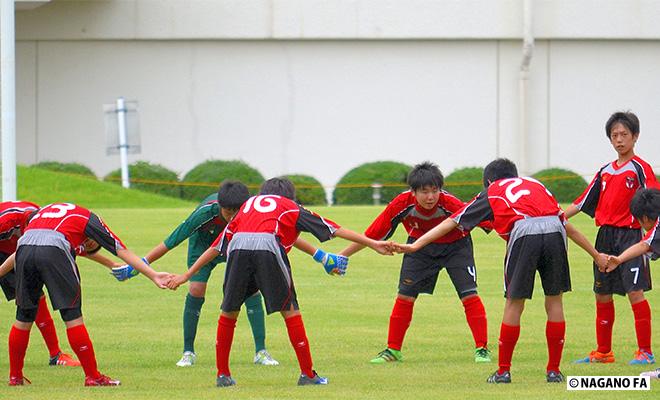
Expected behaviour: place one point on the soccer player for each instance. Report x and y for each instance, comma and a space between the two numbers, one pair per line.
201, 228
645, 206
46, 256
14, 216
607, 198
256, 243
527, 216
419, 209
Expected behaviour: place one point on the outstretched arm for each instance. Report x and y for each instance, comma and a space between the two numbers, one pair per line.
106, 262
578, 238
8, 265
332, 263
437, 232
631, 252
380, 247
159, 278
204, 259
570, 211
156, 253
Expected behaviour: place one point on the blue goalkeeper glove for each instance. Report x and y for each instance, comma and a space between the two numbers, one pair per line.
126, 272
334, 264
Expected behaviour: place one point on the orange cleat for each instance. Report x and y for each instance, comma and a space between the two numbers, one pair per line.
596, 357
64, 360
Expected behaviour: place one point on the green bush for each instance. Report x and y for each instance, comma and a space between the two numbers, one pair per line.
213, 172
69, 168
564, 184
309, 191
143, 176
392, 175
465, 183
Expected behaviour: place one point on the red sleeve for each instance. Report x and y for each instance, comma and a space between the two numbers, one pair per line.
386, 222
453, 204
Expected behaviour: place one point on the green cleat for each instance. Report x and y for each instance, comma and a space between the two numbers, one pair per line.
482, 355
387, 355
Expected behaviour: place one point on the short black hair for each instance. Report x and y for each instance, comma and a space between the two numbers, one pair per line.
425, 174
279, 186
625, 118
500, 168
232, 194
646, 203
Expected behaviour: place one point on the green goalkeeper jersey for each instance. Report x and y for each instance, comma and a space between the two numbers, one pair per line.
201, 228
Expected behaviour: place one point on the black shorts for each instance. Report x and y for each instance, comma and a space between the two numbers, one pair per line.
37, 266
419, 270
630, 276
8, 282
545, 252
251, 270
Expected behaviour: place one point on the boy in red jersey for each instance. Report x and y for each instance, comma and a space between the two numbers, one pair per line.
256, 243
46, 256
607, 198
420, 209
527, 216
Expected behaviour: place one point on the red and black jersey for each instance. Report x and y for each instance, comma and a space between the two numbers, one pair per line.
607, 198
506, 201
652, 238
404, 209
13, 219
76, 224
279, 216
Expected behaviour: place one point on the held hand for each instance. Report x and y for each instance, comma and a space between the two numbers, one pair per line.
612, 263
161, 279
176, 281
601, 262
404, 248
384, 248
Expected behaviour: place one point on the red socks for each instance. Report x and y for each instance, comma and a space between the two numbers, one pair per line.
475, 313
18, 343
604, 324
82, 346
554, 334
223, 341
45, 324
298, 338
399, 323
508, 339
642, 312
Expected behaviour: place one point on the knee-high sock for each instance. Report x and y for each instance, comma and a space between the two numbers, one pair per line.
554, 334
18, 343
223, 341
642, 312
298, 338
255, 313
82, 346
191, 311
47, 328
508, 338
475, 313
399, 323
604, 325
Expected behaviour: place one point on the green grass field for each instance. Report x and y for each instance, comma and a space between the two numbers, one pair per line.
136, 330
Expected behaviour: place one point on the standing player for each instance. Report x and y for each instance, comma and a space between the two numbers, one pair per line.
14, 216
201, 228
46, 255
527, 216
256, 243
607, 198
419, 209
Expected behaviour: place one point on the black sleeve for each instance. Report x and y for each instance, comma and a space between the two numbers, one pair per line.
588, 202
101, 234
313, 223
474, 212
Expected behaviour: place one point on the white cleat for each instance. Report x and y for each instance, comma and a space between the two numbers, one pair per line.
655, 374
187, 359
264, 358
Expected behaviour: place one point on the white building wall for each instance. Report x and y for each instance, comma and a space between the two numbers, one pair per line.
318, 87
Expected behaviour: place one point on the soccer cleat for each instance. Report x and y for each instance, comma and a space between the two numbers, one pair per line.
102, 380
496, 377
315, 380
187, 359
224, 381
64, 360
554, 377
655, 374
596, 357
387, 355
642, 358
263, 357
18, 381
482, 355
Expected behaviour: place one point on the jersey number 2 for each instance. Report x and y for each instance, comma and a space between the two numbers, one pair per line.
512, 184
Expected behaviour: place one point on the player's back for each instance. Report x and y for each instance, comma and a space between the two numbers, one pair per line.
13, 218
68, 219
272, 214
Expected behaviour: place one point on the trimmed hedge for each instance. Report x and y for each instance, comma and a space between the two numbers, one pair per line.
389, 173
69, 168
142, 170
564, 184
465, 183
216, 171
309, 191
